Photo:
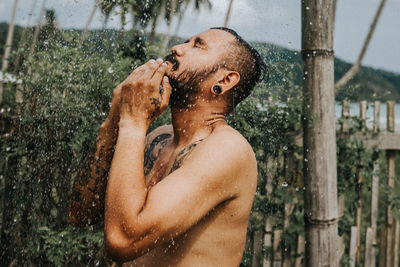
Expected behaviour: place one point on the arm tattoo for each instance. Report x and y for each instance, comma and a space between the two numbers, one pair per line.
154, 149
157, 106
182, 155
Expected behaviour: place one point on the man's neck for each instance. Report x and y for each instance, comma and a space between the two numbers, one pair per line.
195, 123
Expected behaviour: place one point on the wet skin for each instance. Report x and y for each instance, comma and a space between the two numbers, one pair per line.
181, 195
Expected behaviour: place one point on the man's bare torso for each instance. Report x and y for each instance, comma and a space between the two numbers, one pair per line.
219, 238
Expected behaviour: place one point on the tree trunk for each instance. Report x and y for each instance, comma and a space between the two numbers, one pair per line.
89, 21
356, 67
228, 13
320, 173
107, 16
24, 35
7, 50
36, 33
153, 29
166, 40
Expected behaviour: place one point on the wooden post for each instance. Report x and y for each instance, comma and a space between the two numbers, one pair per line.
277, 249
299, 262
320, 168
257, 248
358, 217
345, 116
288, 206
353, 246
370, 240
271, 168
363, 115
369, 257
396, 245
390, 155
377, 111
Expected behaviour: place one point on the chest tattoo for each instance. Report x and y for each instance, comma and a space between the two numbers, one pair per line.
182, 155
153, 151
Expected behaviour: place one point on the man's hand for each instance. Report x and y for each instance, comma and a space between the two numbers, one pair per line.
142, 98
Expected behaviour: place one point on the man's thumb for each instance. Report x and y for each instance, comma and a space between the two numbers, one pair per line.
166, 90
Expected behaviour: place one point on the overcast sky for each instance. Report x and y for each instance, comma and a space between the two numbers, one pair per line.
276, 21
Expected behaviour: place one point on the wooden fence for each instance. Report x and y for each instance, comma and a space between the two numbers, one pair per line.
359, 254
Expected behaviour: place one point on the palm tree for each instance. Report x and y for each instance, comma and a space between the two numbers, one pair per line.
89, 21
356, 67
173, 7
10, 34
106, 7
197, 5
228, 13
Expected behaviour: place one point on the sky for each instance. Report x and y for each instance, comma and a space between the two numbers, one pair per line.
275, 21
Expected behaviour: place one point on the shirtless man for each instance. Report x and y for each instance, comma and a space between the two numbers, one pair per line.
182, 195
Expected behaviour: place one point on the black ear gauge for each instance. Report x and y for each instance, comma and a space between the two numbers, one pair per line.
217, 89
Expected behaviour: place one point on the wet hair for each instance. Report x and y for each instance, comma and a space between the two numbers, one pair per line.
246, 60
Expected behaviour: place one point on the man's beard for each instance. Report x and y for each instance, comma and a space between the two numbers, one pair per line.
186, 86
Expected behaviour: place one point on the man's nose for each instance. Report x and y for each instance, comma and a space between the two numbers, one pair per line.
178, 49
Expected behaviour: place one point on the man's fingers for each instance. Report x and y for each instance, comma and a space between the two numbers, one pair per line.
159, 73
152, 66
166, 92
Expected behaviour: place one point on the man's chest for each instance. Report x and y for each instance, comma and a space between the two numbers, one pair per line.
162, 158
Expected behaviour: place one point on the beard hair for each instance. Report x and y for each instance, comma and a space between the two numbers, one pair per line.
186, 86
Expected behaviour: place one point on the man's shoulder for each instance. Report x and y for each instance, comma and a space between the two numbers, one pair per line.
235, 148
230, 138
162, 132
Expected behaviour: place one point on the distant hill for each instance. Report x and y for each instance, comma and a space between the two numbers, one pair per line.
369, 83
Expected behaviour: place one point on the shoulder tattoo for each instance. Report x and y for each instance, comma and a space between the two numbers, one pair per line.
182, 155
153, 150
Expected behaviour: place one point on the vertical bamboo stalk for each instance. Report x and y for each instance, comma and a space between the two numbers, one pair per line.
358, 217
363, 115
370, 249
390, 155
353, 246
369, 257
269, 186
396, 245
345, 116
341, 208
288, 206
377, 111
320, 168
299, 262
7, 50
277, 249
257, 248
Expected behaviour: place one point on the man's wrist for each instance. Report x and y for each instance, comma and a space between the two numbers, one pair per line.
134, 126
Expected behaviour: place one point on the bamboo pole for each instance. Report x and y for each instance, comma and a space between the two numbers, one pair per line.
288, 209
345, 115
277, 249
269, 186
320, 168
299, 261
396, 244
353, 246
257, 248
369, 257
358, 217
390, 155
7, 50
370, 240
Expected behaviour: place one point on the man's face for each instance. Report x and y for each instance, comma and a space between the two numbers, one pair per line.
192, 62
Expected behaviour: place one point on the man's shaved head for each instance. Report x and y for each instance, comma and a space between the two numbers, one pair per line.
243, 58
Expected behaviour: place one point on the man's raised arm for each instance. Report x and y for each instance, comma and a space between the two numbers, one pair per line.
86, 206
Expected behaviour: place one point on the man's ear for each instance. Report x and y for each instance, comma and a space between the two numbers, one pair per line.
228, 80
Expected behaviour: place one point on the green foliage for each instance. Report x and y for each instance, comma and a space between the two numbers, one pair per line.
67, 93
